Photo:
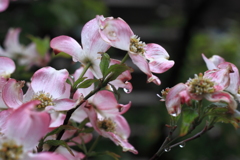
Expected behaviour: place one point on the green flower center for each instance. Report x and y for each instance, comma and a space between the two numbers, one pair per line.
45, 98
136, 46
10, 151
107, 125
200, 85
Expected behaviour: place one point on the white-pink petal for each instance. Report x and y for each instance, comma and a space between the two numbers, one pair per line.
115, 32
44, 156
92, 42
12, 93
173, 99
106, 103
220, 96
3, 5
51, 81
7, 67
31, 125
67, 45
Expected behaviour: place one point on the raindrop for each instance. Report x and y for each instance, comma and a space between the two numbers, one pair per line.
159, 96
174, 114
126, 90
168, 149
182, 145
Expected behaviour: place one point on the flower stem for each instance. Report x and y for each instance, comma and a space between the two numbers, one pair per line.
94, 144
82, 74
124, 58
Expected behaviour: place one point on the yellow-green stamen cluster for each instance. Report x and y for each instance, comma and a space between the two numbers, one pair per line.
200, 85
107, 125
136, 46
45, 98
10, 151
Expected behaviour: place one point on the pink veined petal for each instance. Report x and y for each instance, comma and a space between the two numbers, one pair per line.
155, 51
122, 127
67, 45
234, 77
92, 42
44, 156
3, 5
141, 63
57, 119
28, 96
223, 97
220, 77
118, 140
7, 67
158, 58
4, 114
210, 64
115, 32
79, 114
81, 138
173, 99
153, 79
31, 125
216, 59
51, 81
160, 65
63, 105
92, 115
63, 151
12, 93
3, 81
122, 80
107, 104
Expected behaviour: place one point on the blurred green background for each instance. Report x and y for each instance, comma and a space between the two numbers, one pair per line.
185, 28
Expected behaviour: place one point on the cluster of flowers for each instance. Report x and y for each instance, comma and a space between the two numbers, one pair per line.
220, 83
58, 109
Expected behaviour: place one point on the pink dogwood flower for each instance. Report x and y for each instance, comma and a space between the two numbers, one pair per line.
89, 53
7, 67
217, 62
103, 107
24, 55
47, 85
20, 141
209, 86
4, 5
148, 57
105, 116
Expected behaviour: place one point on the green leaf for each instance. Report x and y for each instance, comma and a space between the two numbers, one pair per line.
221, 113
59, 143
188, 117
104, 64
83, 123
78, 81
42, 45
59, 129
115, 70
88, 130
87, 83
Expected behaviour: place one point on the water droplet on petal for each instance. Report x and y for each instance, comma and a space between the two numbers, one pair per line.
174, 114
182, 145
126, 90
168, 149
